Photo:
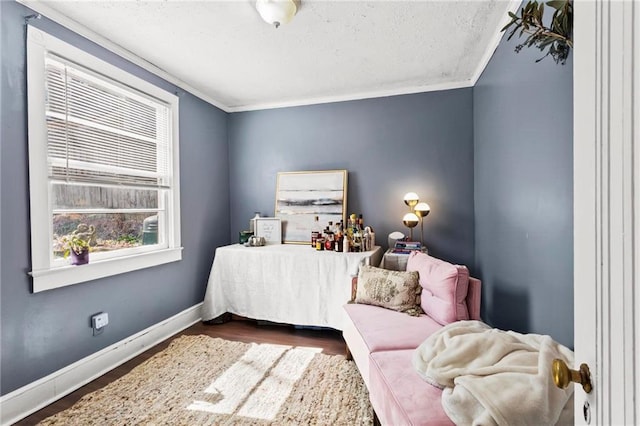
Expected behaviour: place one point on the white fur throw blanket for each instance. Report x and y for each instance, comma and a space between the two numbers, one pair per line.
495, 377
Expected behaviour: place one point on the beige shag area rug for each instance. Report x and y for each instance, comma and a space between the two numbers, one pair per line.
200, 380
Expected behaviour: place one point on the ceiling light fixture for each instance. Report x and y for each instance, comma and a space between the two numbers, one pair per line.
276, 12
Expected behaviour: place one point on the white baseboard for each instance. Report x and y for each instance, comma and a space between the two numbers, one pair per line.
28, 399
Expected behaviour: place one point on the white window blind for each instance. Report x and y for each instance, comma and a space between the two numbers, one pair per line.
101, 133
104, 152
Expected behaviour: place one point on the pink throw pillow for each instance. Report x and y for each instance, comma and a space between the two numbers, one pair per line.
444, 287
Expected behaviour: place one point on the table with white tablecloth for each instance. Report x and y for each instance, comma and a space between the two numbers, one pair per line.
286, 283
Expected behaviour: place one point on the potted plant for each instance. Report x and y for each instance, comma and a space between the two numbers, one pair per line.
78, 247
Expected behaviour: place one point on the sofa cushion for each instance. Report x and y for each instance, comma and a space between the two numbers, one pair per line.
444, 287
396, 290
382, 329
399, 396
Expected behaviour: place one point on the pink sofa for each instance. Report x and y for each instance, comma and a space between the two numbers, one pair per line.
382, 341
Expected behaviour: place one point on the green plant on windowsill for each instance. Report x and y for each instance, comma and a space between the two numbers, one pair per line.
76, 243
557, 38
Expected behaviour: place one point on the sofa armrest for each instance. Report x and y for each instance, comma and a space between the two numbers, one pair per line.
474, 294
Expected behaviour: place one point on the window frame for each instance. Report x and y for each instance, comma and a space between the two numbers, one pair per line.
46, 273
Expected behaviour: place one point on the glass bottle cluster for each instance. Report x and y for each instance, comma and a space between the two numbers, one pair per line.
354, 237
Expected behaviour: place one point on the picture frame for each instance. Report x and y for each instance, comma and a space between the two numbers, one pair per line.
303, 195
270, 228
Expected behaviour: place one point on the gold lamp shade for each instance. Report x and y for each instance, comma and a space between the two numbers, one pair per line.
411, 199
422, 209
410, 220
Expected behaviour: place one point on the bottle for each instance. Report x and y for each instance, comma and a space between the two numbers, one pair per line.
372, 237
336, 228
349, 230
252, 222
330, 241
356, 234
366, 239
320, 241
357, 241
315, 231
338, 237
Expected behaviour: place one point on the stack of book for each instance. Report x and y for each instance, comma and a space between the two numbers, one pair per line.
406, 247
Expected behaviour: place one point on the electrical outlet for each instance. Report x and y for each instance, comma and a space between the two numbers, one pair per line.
100, 320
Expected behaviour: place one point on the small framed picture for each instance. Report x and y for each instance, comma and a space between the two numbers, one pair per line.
270, 228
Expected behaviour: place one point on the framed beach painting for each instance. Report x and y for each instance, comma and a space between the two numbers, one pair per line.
301, 196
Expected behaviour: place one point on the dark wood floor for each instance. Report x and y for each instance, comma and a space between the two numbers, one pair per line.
241, 330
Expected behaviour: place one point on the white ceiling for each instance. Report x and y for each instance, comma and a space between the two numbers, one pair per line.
332, 50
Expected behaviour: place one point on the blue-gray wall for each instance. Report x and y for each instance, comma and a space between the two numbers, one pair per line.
390, 146
523, 139
494, 162
41, 333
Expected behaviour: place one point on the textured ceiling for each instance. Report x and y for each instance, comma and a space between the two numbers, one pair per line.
332, 50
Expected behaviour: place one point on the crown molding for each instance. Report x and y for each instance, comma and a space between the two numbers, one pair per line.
512, 6
41, 8
354, 96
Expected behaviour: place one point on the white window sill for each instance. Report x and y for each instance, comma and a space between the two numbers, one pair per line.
59, 277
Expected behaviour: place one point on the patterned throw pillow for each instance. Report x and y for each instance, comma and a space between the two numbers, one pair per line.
396, 290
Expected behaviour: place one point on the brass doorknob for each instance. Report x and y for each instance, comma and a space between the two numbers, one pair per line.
563, 375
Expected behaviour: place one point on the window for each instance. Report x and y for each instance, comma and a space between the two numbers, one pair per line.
103, 155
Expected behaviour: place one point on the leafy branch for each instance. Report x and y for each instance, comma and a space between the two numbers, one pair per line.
557, 38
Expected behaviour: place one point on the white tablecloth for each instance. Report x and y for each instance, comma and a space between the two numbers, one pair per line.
292, 284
